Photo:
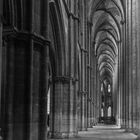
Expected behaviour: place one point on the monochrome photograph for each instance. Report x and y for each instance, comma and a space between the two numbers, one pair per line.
70, 69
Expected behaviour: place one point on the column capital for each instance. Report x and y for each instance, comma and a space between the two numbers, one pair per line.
1, 19
89, 99
90, 23
62, 79
1, 8
12, 31
74, 16
89, 67
84, 50
122, 22
94, 42
65, 79
83, 93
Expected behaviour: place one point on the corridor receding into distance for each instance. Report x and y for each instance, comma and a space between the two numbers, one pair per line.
70, 69
104, 132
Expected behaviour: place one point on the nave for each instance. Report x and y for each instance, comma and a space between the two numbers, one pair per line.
68, 65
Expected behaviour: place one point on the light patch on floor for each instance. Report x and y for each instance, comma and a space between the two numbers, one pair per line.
104, 132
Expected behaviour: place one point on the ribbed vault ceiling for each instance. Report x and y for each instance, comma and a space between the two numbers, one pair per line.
107, 17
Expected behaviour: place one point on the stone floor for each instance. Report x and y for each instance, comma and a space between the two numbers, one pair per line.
103, 132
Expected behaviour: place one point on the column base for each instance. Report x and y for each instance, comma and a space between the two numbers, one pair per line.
84, 129
137, 132
138, 138
0, 134
122, 126
91, 125
62, 135
129, 130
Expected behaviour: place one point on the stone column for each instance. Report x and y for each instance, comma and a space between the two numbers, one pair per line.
44, 71
30, 126
130, 96
84, 66
73, 20
125, 57
83, 97
8, 126
123, 65
38, 56
96, 94
84, 92
15, 116
92, 96
134, 64
62, 109
92, 90
83, 109
1, 13
138, 67
94, 87
89, 70
127, 67
16, 123
43, 93
98, 98
119, 83
76, 78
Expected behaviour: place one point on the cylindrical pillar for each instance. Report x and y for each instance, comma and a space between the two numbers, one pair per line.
1, 13
8, 113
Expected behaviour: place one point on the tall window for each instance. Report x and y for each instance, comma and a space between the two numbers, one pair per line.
109, 112
109, 88
102, 87
102, 112
48, 106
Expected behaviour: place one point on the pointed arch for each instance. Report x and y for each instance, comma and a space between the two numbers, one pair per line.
58, 50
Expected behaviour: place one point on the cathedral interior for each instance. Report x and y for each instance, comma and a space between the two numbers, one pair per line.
68, 67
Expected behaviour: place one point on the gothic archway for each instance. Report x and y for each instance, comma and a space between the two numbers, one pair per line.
107, 18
